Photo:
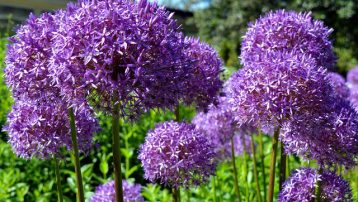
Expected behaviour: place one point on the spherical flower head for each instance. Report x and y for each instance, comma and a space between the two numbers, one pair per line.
28, 57
106, 192
269, 92
353, 95
132, 49
338, 84
329, 137
352, 76
281, 31
301, 186
203, 83
177, 154
42, 130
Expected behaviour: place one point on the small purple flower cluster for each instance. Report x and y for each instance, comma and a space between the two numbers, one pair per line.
219, 126
352, 80
41, 131
339, 85
177, 154
106, 192
301, 187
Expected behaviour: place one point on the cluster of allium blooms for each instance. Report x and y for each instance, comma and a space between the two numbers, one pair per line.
301, 186
352, 79
106, 192
274, 90
205, 82
352, 76
133, 49
41, 131
177, 154
282, 31
338, 84
219, 126
330, 137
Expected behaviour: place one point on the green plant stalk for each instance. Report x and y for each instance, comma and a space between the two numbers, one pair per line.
319, 188
262, 156
246, 173
188, 195
116, 149
76, 158
214, 188
252, 145
58, 180
176, 195
273, 165
236, 182
177, 114
288, 166
282, 167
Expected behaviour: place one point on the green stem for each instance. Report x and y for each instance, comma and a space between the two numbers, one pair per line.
214, 189
58, 180
75, 156
273, 165
262, 156
255, 169
236, 181
288, 166
176, 195
319, 188
116, 149
245, 171
282, 167
188, 195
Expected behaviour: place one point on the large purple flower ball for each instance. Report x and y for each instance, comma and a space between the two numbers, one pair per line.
106, 192
42, 130
177, 155
301, 187
330, 137
352, 76
270, 92
135, 50
282, 31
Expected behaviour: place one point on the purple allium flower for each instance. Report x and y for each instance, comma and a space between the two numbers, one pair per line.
219, 126
42, 130
330, 137
106, 192
353, 95
204, 82
301, 186
27, 59
269, 92
134, 49
286, 31
338, 84
352, 76
177, 154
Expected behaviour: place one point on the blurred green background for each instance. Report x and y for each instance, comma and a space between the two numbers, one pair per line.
221, 23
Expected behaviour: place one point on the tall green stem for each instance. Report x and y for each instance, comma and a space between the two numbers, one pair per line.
273, 165
177, 114
252, 144
75, 156
319, 188
282, 167
214, 189
236, 181
116, 149
58, 180
262, 156
245, 171
176, 195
